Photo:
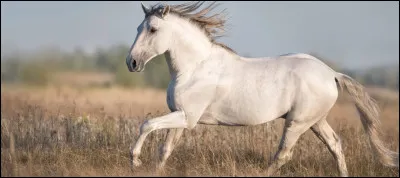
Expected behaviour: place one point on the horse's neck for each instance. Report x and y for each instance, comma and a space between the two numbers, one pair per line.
182, 64
185, 58
189, 49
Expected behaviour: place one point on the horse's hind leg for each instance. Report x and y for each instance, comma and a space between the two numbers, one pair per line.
291, 133
172, 139
332, 141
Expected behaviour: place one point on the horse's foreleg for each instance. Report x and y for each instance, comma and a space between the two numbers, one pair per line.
172, 139
172, 120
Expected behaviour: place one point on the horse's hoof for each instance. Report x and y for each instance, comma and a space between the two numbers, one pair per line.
160, 166
136, 162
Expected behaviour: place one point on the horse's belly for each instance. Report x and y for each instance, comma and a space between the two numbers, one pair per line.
242, 114
251, 102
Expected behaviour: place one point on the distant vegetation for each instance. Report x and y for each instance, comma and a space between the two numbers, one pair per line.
40, 67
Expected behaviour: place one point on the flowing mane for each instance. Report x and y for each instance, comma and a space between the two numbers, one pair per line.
213, 26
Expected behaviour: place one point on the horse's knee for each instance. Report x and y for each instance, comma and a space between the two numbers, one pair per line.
191, 124
338, 143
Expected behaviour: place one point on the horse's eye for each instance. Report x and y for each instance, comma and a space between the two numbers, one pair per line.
153, 30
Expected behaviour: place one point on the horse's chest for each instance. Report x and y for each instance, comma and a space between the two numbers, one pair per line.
190, 90
173, 93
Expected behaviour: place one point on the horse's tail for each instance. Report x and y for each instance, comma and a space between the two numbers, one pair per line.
369, 114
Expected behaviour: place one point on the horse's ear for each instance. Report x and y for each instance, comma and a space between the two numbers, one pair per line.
146, 10
165, 11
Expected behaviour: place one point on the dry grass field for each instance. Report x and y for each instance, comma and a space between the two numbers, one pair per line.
62, 131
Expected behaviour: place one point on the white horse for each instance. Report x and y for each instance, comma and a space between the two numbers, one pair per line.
211, 84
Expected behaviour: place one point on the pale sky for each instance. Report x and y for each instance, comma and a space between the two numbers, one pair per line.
352, 34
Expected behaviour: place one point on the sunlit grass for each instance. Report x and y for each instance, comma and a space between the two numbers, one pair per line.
61, 131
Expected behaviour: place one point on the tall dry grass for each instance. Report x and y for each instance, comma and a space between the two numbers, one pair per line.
61, 131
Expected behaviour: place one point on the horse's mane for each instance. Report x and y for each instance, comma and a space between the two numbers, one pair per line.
213, 26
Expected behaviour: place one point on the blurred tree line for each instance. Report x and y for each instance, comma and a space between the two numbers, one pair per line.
39, 67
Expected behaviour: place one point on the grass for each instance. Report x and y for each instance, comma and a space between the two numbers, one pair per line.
61, 131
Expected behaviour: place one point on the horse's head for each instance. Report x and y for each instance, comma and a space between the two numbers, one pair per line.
179, 30
153, 37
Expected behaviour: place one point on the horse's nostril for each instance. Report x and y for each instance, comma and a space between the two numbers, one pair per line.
134, 64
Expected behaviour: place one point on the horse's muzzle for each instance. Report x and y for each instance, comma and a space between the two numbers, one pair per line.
135, 66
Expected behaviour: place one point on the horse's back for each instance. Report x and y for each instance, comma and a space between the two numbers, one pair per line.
304, 67
265, 89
